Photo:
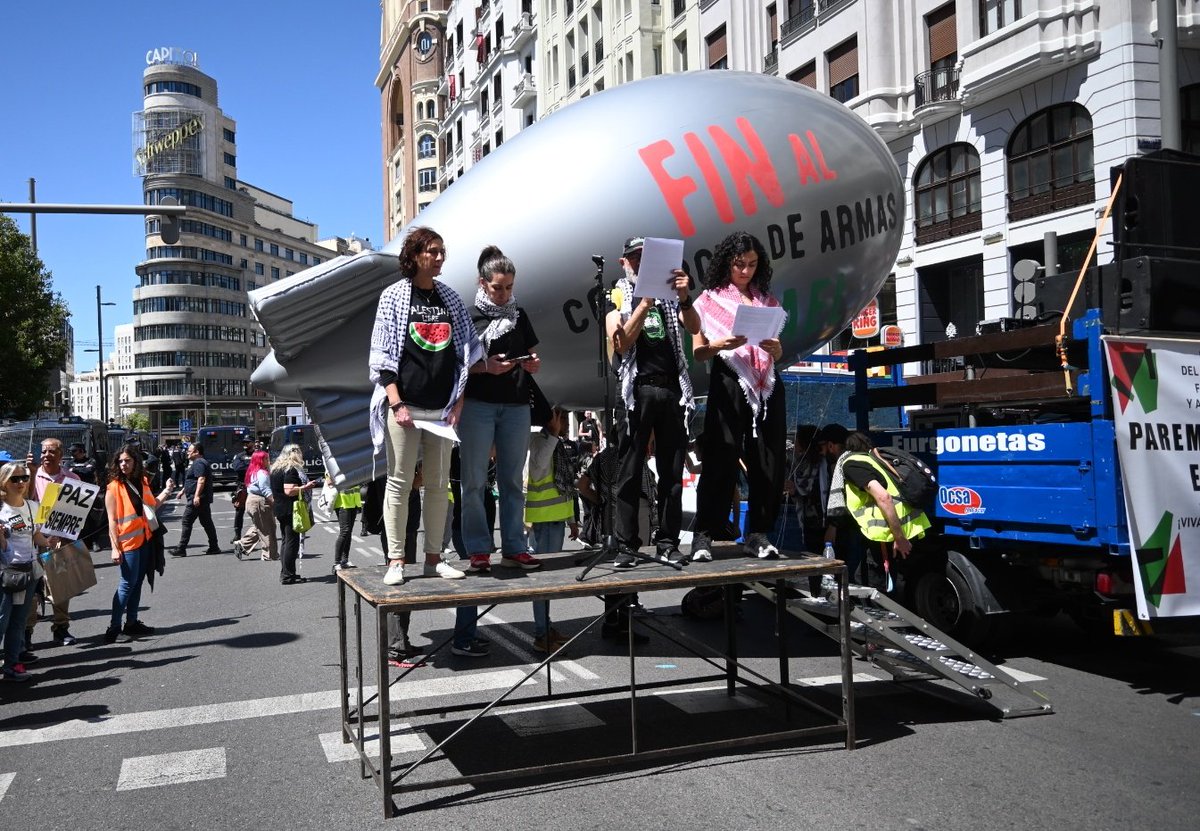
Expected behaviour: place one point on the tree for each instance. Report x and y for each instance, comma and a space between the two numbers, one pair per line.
33, 320
137, 421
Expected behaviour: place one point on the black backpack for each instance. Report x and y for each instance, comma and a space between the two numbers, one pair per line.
914, 480
704, 603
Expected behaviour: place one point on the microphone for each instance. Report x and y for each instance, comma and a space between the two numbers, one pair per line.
598, 260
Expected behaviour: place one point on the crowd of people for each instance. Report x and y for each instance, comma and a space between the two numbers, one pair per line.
456, 398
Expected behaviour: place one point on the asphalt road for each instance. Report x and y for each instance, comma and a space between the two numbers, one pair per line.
227, 718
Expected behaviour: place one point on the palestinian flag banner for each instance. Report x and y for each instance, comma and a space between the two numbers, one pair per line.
1156, 407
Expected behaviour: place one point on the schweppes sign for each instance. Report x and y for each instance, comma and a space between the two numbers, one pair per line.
168, 141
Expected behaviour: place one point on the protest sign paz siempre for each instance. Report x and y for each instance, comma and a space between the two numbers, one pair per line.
64, 508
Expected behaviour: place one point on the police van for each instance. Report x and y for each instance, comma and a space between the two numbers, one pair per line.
220, 445
20, 438
304, 435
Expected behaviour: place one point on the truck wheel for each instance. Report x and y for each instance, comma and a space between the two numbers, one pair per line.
945, 599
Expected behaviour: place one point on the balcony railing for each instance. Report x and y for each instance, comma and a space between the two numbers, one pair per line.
771, 62
937, 85
804, 18
522, 31
525, 90
941, 226
1052, 198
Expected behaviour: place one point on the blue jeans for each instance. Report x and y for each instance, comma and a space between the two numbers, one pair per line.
547, 538
128, 595
12, 624
507, 427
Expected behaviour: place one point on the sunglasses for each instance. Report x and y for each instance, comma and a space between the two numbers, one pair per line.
18, 478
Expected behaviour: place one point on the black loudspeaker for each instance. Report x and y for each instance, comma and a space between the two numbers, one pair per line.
1150, 294
1158, 201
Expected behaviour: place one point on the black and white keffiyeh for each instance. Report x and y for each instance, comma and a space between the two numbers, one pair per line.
501, 319
387, 346
627, 370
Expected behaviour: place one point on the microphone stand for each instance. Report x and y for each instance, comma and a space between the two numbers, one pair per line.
609, 548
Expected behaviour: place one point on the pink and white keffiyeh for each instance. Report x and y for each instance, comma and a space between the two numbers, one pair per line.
754, 368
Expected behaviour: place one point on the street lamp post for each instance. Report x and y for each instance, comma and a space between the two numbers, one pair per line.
100, 355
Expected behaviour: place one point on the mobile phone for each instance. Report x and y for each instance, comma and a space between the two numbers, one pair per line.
518, 358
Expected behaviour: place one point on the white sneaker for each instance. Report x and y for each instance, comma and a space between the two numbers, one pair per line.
757, 545
444, 569
395, 574
701, 548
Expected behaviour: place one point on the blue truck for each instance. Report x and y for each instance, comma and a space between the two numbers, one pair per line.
1018, 426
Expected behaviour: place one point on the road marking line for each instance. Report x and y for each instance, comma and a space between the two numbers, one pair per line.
1018, 675
331, 530
831, 680
552, 720
699, 700
6, 779
255, 708
404, 740
523, 648
171, 768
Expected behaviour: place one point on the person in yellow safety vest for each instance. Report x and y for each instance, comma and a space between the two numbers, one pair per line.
549, 505
873, 499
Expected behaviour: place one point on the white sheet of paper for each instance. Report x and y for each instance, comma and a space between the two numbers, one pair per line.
758, 323
438, 428
659, 258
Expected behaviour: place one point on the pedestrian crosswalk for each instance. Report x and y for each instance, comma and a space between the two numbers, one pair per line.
526, 721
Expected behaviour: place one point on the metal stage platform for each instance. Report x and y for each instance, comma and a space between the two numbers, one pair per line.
363, 709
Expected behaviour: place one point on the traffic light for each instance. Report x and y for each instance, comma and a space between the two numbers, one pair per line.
168, 226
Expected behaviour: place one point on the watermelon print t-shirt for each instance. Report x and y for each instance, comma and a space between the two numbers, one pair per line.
427, 372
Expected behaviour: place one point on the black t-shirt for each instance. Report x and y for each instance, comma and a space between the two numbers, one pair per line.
861, 474
283, 502
654, 353
241, 463
198, 468
427, 371
511, 387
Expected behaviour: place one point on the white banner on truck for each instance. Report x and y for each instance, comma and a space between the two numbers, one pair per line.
1156, 405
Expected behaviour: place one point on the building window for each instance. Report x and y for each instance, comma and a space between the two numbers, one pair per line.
259, 268
245, 263
1189, 106
191, 198
427, 179
805, 76
243, 240
274, 273
303, 258
230, 183
1050, 164
842, 63
947, 194
426, 147
994, 15
229, 135
316, 260
258, 245
274, 250
717, 51
173, 86
289, 254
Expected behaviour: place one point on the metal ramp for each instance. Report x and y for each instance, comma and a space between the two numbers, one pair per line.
911, 650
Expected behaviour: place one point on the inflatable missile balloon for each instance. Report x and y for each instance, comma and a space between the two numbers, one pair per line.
691, 156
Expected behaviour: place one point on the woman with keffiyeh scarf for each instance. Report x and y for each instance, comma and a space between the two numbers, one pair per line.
496, 415
744, 419
422, 348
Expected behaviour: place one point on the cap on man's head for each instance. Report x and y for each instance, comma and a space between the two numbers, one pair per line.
78, 445
633, 244
835, 433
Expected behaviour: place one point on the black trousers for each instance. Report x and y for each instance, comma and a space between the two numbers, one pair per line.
656, 413
341, 548
289, 547
727, 437
203, 512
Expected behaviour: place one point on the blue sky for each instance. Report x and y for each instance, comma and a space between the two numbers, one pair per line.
297, 76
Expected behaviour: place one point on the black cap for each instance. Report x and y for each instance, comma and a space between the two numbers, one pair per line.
77, 445
632, 244
835, 433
